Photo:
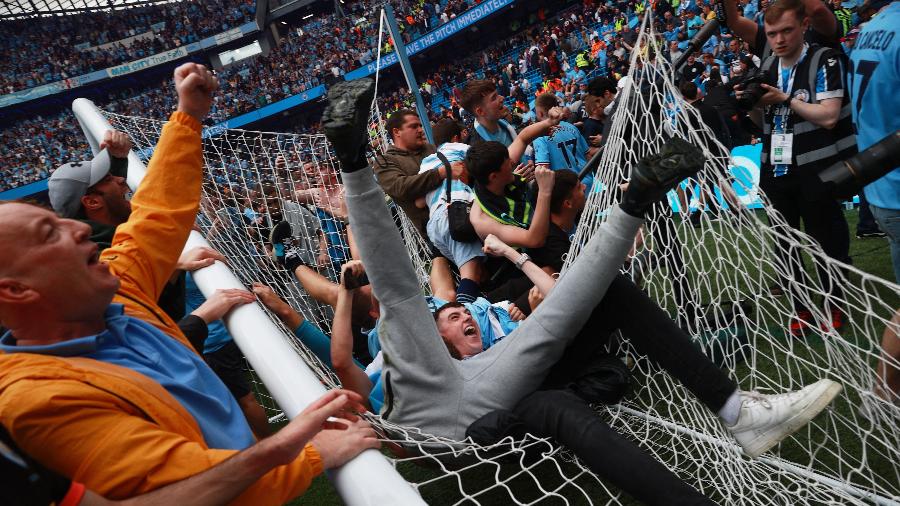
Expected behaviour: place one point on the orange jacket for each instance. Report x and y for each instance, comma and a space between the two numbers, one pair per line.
115, 430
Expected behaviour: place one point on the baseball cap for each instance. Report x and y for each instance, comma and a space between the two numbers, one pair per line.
71, 181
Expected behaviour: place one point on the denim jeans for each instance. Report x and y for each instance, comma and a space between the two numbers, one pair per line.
866, 221
889, 221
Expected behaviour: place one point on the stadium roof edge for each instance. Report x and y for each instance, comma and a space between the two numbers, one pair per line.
24, 9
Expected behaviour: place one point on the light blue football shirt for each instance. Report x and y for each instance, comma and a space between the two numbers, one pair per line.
873, 79
565, 149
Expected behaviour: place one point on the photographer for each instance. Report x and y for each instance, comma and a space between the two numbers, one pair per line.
804, 113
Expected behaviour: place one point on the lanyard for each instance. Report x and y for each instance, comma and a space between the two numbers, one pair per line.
787, 86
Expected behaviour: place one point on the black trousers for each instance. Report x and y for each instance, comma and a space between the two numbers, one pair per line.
557, 412
823, 220
570, 421
652, 333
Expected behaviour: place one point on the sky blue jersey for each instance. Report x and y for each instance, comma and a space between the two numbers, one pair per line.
873, 79
565, 149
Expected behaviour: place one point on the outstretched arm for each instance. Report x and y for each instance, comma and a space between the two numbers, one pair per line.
273, 471
351, 375
536, 233
146, 247
308, 334
225, 481
821, 19
532, 132
404, 187
739, 25
495, 247
290, 317
411, 339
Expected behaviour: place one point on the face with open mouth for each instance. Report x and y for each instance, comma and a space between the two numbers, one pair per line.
54, 259
495, 106
460, 330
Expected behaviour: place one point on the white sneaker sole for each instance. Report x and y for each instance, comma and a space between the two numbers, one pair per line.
766, 441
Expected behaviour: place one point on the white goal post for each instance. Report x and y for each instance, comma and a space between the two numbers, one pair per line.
368, 479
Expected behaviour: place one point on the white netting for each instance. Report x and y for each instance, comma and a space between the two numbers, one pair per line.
716, 279
720, 289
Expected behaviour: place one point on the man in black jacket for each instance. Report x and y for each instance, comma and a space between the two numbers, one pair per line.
397, 170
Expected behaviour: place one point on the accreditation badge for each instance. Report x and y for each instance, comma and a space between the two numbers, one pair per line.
782, 148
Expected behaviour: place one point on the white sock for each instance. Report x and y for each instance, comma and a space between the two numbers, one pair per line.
731, 410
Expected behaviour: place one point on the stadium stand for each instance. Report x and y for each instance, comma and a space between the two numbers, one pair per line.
520, 65
341, 43
69, 46
34, 147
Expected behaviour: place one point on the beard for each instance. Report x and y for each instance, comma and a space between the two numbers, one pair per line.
120, 211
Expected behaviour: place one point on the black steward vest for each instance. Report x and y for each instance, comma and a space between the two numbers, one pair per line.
815, 148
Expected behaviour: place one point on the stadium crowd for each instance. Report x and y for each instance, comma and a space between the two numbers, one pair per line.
66, 46
316, 52
106, 329
561, 52
341, 42
69, 45
289, 70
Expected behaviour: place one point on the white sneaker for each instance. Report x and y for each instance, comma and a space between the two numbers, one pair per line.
767, 419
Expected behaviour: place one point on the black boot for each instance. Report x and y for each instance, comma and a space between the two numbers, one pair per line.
345, 121
656, 174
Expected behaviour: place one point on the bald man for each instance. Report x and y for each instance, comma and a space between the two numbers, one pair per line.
96, 382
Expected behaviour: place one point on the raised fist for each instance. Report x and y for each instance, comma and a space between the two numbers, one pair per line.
353, 269
557, 114
544, 178
494, 246
118, 143
195, 85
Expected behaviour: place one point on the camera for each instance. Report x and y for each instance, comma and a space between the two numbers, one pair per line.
751, 85
845, 178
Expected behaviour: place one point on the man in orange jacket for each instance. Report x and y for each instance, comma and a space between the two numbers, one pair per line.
111, 395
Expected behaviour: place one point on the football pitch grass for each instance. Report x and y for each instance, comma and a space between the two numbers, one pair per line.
869, 255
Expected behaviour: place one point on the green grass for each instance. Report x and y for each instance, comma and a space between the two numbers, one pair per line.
870, 255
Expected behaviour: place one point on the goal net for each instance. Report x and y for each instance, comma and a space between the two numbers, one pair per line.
716, 279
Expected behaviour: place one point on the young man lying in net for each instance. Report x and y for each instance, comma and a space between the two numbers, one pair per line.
429, 389
98, 384
340, 351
